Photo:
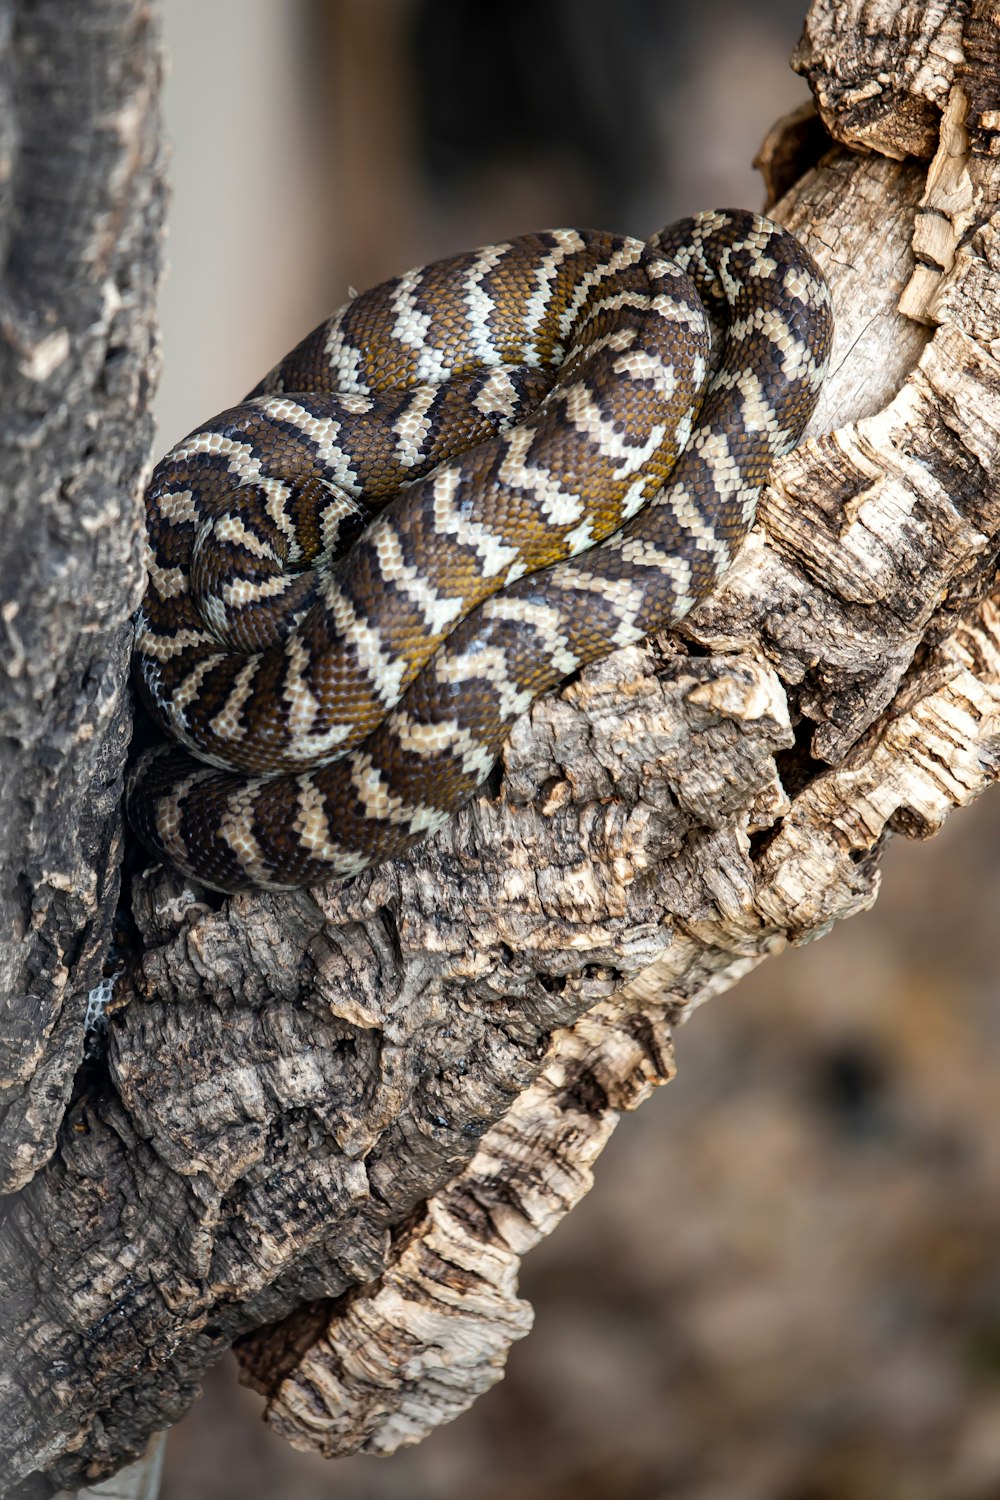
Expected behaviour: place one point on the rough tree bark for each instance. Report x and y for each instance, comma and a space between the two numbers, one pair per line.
327, 1125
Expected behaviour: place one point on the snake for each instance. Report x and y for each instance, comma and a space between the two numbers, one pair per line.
467, 484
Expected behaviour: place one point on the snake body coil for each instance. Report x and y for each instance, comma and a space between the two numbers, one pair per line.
466, 484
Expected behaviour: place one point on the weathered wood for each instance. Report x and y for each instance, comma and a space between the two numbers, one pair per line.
81, 208
332, 1122
138, 1481
865, 603
81, 211
881, 71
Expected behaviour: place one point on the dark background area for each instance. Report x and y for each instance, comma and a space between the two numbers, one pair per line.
784, 1284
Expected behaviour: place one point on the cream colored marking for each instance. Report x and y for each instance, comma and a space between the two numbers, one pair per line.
627, 598
682, 435
384, 672
310, 821
758, 413
302, 706
635, 497
236, 830
481, 304
344, 360
339, 509
626, 255
710, 220
276, 508
802, 284
346, 863
428, 819
641, 301
186, 691
412, 428
226, 724
149, 643
569, 242
679, 314
423, 740
761, 416
489, 665
312, 826
496, 554
639, 553
760, 234
643, 552
241, 461
167, 817
437, 609
584, 414
627, 633
319, 748
640, 364
796, 358
769, 321
726, 473
544, 619
242, 591
617, 338
560, 507
322, 433
411, 327
382, 804
177, 508
682, 506
230, 528
761, 265
577, 540
673, 302
731, 283
168, 583
213, 611
498, 394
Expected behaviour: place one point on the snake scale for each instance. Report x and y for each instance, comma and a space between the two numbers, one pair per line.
469, 482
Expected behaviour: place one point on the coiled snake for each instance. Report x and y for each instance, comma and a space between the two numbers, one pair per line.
361, 575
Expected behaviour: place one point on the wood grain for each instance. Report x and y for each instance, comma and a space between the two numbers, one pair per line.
329, 1124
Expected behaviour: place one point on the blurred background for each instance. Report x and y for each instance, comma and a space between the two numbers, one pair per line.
786, 1283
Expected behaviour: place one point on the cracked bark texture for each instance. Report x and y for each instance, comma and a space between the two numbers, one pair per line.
80, 216
328, 1124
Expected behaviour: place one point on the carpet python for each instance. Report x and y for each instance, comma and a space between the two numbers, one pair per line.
469, 482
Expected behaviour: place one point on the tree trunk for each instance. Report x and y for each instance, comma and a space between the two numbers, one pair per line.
328, 1124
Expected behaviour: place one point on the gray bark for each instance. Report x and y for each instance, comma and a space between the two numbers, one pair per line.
81, 208
329, 1124
80, 219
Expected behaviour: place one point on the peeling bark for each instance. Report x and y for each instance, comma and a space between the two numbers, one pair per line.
328, 1124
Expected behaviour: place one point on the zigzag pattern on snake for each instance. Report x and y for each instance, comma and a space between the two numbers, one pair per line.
465, 485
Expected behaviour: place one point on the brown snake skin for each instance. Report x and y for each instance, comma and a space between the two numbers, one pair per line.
466, 484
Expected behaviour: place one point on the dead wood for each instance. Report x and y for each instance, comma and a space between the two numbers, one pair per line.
329, 1124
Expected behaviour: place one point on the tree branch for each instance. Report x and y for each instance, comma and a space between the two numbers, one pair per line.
80, 221
347, 1113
